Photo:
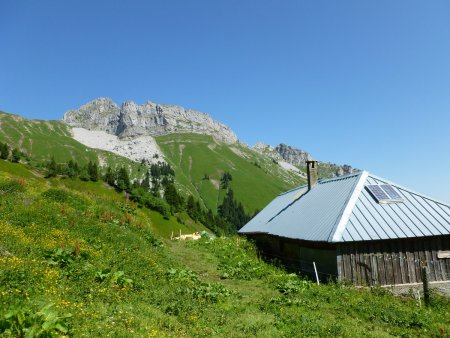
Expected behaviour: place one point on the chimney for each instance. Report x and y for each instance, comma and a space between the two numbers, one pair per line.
311, 171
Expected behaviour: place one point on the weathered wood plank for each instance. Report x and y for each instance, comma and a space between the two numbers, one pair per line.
380, 264
442, 266
430, 261
396, 262
401, 262
392, 262
373, 265
410, 262
417, 263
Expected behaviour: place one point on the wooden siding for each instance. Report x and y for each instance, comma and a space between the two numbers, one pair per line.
391, 262
298, 256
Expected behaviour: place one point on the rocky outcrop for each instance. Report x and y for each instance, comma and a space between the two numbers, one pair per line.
292, 155
285, 154
131, 120
268, 150
134, 125
101, 114
345, 170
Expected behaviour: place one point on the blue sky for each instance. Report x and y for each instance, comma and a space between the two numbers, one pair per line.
360, 82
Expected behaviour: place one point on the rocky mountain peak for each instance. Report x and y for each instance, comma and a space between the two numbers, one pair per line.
292, 155
131, 120
285, 154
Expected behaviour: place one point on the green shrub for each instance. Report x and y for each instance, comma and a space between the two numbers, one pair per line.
63, 196
46, 322
143, 198
153, 241
60, 257
57, 195
236, 267
11, 187
115, 278
209, 292
291, 284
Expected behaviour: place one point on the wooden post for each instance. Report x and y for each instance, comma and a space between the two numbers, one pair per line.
426, 286
317, 276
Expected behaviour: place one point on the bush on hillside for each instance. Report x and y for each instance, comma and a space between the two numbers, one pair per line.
63, 196
11, 187
4, 151
144, 198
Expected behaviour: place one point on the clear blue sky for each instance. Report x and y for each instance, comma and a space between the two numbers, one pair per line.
360, 82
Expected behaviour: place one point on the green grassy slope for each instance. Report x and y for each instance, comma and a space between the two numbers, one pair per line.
77, 259
43, 139
256, 179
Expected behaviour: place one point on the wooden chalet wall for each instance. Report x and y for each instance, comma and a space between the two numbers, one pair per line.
391, 262
299, 255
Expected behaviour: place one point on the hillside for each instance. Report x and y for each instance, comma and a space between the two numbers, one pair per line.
200, 162
256, 178
77, 259
40, 140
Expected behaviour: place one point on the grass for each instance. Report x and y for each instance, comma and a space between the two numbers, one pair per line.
256, 179
77, 259
44, 139
192, 156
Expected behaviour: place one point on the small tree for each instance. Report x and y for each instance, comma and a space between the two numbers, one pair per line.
226, 178
172, 197
72, 169
52, 168
4, 151
146, 181
123, 180
193, 208
84, 174
92, 171
156, 187
110, 177
15, 155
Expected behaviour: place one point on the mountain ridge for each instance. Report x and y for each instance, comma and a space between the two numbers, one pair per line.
149, 119
131, 121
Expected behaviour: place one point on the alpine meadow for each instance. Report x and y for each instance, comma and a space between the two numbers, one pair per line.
86, 246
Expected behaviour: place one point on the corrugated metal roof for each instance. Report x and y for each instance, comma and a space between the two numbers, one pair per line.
342, 209
416, 216
258, 223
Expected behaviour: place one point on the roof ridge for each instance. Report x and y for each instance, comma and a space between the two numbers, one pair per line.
337, 178
340, 225
323, 180
293, 189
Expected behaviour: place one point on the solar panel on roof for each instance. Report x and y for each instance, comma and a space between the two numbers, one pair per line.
384, 193
377, 192
392, 193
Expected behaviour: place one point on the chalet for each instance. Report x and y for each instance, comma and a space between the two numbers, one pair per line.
358, 228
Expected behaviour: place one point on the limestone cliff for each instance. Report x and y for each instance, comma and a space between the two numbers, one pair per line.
131, 120
285, 154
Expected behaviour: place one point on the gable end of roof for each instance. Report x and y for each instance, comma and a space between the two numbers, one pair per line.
339, 227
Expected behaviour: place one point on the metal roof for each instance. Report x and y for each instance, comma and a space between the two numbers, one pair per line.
342, 210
